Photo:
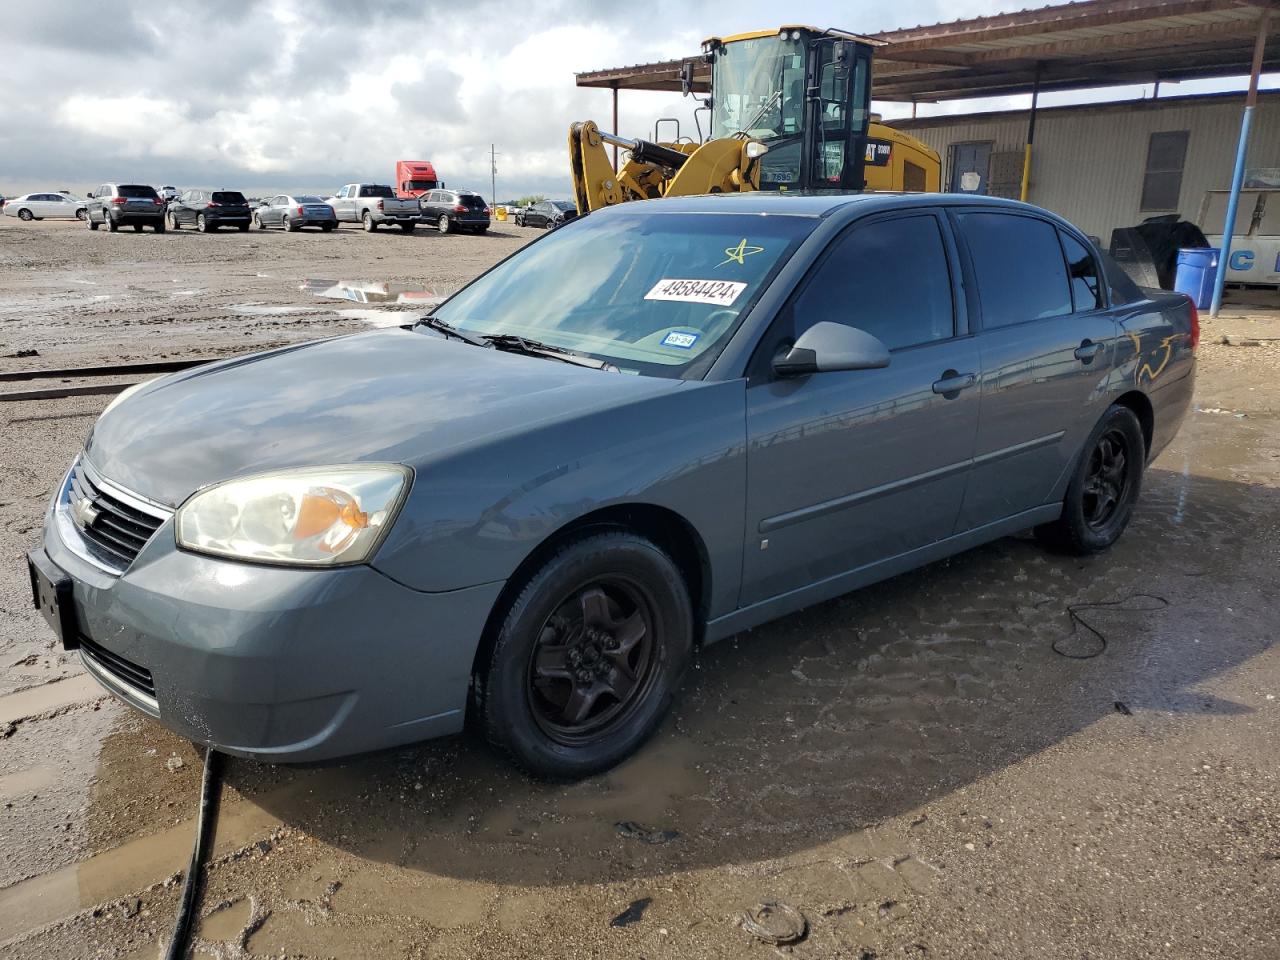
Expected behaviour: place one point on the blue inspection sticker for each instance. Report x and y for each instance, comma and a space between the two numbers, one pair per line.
680, 340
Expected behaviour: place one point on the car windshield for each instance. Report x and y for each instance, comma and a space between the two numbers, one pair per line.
420, 185
308, 199
652, 293
229, 196
137, 193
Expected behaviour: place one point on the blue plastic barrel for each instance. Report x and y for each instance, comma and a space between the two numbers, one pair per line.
1196, 269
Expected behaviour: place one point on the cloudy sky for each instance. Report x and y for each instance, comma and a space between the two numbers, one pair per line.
267, 95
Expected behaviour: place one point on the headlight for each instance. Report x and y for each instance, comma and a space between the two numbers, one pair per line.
316, 516
126, 392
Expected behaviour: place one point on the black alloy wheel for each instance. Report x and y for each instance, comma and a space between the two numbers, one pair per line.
584, 660
1107, 480
593, 660
1104, 488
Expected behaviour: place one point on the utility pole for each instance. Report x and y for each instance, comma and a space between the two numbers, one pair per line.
493, 177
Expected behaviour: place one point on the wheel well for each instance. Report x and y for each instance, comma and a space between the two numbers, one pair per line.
1138, 402
665, 528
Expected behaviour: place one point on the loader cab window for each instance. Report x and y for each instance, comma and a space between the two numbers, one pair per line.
759, 88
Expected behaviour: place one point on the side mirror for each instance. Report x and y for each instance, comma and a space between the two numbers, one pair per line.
89, 195
828, 346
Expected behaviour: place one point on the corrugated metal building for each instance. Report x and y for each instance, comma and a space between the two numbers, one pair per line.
1107, 165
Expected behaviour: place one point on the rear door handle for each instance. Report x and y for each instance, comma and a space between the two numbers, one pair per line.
1087, 351
952, 383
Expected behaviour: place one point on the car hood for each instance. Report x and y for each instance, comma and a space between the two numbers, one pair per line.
391, 395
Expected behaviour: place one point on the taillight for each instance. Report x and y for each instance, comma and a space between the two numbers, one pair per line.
1195, 323
459, 209
299, 211
485, 210
380, 206
119, 199
211, 204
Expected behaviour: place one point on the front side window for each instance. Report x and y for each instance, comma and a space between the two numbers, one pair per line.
1086, 289
653, 293
890, 278
1019, 267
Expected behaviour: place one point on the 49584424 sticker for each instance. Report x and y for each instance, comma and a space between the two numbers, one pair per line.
721, 293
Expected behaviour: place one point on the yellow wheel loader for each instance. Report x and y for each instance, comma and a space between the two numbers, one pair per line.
790, 110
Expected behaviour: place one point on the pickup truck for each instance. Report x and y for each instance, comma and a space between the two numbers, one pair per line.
373, 204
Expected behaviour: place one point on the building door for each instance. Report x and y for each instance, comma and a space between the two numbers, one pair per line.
970, 167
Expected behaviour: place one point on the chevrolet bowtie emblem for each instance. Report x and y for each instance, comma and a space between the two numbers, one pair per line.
84, 512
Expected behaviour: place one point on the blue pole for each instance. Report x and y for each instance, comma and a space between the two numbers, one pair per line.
1233, 201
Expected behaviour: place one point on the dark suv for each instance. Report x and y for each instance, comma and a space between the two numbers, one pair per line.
208, 210
118, 204
547, 213
455, 209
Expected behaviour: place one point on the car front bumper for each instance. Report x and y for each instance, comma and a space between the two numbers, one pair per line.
272, 663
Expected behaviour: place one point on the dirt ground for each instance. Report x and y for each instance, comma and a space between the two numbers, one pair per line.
914, 769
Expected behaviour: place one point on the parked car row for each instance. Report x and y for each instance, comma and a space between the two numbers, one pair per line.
371, 205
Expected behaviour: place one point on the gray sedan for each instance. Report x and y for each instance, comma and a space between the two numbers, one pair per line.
293, 212
661, 425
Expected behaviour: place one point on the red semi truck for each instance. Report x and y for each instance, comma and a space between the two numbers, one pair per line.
415, 177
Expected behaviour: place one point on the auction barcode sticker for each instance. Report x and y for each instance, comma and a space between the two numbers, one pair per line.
721, 293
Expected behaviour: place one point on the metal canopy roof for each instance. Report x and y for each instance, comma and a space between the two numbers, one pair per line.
1074, 45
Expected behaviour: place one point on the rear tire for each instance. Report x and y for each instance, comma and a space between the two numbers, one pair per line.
587, 657
158, 227
1104, 488
291, 226
366, 221
203, 225
328, 227
112, 226
444, 224
242, 227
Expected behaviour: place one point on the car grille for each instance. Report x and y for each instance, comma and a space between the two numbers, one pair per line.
130, 674
119, 529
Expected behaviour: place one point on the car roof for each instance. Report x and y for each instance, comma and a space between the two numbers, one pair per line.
811, 203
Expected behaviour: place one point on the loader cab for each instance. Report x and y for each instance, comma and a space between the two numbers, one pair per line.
803, 92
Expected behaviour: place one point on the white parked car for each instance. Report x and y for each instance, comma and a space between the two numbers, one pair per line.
41, 206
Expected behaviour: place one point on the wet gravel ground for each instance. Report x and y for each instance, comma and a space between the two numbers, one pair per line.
912, 768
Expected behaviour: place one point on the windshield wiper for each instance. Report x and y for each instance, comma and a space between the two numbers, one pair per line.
535, 348
448, 330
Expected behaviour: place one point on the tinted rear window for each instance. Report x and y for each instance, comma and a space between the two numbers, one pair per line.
376, 191
471, 201
308, 199
1019, 265
229, 196
131, 190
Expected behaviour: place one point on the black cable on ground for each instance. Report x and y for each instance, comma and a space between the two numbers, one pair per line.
210, 791
1077, 622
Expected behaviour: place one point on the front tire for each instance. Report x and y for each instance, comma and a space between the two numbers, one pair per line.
25, 215
171, 221
80, 214
587, 657
1104, 488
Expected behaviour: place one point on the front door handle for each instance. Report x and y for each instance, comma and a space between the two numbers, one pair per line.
1087, 351
953, 382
